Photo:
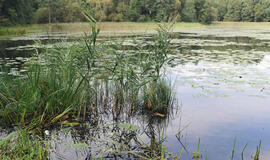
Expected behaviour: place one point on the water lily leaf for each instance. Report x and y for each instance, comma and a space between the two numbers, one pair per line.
128, 126
80, 146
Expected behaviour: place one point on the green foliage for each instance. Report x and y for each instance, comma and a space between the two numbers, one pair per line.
40, 97
134, 11
262, 11
116, 17
158, 97
258, 151
199, 6
64, 11
21, 145
188, 13
42, 15
247, 13
234, 11
220, 8
207, 14
17, 11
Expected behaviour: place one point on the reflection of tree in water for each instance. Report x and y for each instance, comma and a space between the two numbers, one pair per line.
130, 135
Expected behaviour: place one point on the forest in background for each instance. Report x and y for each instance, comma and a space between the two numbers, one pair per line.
14, 12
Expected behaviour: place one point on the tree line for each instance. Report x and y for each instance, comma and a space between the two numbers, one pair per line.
204, 11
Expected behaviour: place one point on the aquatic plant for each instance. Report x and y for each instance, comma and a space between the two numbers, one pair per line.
258, 151
41, 98
197, 155
21, 145
242, 152
233, 150
158, 97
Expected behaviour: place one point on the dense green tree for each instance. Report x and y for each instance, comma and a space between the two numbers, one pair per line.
259, 13
262, 11
199, 7
204, 12
220, 7
188, 13
207, 14
59, 11
166, 9
234, 11
247, 12
134, 10
120, 9
17, 11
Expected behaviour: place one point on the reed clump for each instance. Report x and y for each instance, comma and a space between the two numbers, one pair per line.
158, 97
40, 98
71, 84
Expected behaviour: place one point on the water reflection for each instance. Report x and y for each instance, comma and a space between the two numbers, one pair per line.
122, 138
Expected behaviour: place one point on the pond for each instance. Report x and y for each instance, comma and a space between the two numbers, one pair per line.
221, 78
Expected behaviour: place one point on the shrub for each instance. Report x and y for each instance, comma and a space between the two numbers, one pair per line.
42, 15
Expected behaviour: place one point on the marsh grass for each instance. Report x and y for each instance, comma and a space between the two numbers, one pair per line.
258, 151
40, 98
158, 98
21, 145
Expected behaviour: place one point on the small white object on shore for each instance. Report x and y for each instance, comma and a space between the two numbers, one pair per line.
47, 132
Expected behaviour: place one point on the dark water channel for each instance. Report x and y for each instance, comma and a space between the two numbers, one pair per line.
222, 84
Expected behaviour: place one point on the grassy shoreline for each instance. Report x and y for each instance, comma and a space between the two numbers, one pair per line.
115, 27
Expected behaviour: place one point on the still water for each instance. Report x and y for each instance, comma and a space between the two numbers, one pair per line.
221, 78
